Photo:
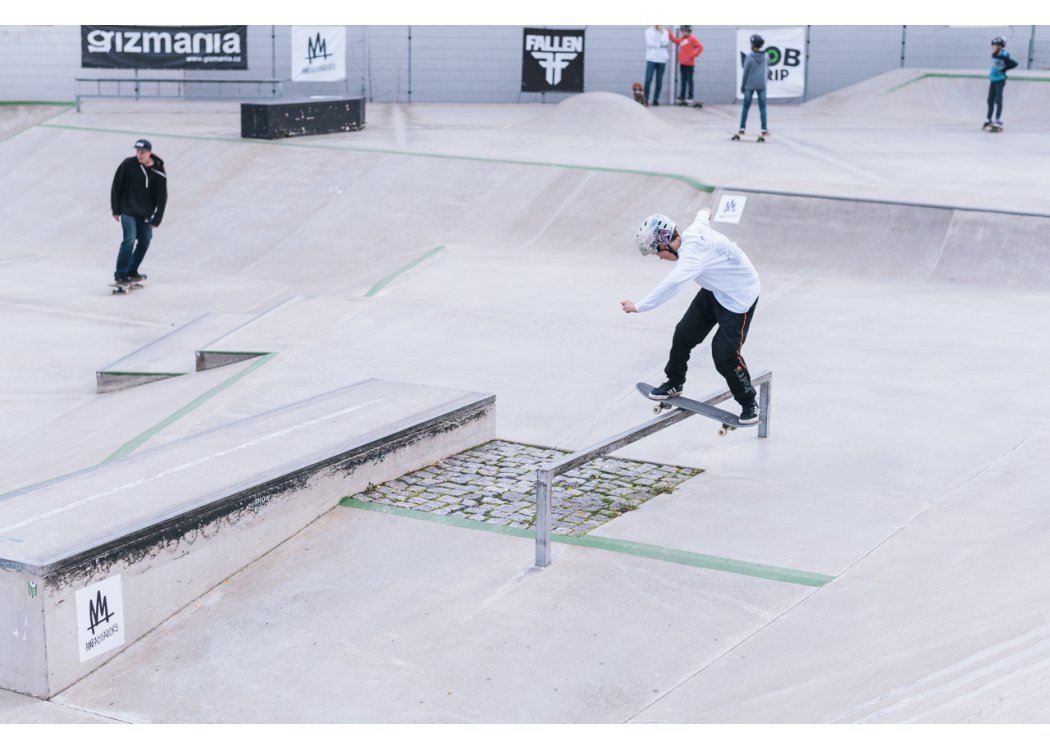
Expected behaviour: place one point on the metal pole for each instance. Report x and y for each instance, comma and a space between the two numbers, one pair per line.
764, 401
544, 491
273, 59
805, 81
904, 38
410, 64
1031, 49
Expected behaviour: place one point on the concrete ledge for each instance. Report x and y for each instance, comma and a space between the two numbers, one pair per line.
163, 527
167, 357
209, 360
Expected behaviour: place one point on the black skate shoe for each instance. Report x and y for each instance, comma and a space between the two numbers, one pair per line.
749, 414
666, 391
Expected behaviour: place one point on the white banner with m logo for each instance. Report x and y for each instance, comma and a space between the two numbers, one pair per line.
318, 53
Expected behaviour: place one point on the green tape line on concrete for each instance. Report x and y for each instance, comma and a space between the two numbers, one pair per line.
622, 546
691, 181
133, 444
378, 286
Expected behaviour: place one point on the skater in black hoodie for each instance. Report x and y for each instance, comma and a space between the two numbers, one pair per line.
137, 199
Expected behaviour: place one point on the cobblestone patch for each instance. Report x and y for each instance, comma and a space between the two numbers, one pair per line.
496, 483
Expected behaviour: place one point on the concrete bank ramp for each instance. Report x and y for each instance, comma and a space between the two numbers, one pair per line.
922, 95
164, 526
893, 241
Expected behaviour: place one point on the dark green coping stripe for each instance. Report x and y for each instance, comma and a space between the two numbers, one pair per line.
136, 442
378, 286
978, 76
33, 104
692, 182
622, 546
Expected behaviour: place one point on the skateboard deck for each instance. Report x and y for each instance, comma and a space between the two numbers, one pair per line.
729, 421
639, 94
126, 287
688, 103
759, 138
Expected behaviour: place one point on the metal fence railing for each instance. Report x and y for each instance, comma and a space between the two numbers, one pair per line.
174, 88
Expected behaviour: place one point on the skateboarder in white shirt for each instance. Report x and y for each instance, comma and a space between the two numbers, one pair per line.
729, 289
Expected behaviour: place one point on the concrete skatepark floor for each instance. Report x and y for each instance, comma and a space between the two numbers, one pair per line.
487, 248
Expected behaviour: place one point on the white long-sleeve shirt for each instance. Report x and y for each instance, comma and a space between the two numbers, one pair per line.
657, 45
715, 263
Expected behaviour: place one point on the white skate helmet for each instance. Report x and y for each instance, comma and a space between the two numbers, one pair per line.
656, 230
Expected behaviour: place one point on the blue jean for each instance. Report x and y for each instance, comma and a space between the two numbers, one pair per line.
137, 236
650, 69
995, 99
686, 89
747, 105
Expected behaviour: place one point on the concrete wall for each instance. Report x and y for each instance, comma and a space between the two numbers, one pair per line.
483, 63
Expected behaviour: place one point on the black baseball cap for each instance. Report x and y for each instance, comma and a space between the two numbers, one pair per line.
142, 143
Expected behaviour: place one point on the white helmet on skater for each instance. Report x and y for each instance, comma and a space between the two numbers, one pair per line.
656, 230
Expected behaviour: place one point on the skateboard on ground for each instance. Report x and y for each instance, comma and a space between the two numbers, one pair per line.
729, 421
689, 103
639, 94
124, 287
993, 128
738, 136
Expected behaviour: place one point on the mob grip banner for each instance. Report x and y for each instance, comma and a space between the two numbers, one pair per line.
785, 48
552, 60
164, 47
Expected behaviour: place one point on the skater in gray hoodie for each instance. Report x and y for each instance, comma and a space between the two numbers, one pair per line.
756, 70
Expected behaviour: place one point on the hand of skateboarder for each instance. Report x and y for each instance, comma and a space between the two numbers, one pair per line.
628, 306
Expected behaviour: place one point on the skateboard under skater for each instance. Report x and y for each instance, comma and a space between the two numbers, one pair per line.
689, 103
992, 128
125, 287
729, 421
760, 138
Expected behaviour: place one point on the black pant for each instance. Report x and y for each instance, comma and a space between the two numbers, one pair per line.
704, 314
685, 88
995, 99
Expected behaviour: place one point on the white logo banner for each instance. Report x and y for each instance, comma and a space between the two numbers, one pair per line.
731, 208
100, 618
786, 49
318, 53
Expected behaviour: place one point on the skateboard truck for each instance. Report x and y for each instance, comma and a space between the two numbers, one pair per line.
664, 406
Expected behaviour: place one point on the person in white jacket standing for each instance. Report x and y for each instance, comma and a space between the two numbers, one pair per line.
657, 53
729, 289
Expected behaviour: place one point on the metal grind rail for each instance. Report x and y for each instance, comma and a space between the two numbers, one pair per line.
546, 475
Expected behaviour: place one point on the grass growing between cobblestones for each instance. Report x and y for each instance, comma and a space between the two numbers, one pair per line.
496, 483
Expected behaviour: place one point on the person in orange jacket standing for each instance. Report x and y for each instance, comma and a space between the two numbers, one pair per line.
689, 48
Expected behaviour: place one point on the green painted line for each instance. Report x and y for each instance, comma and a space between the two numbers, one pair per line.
246, 355
378, 286
621, 546
142, 374
133, 444
691, 181
36, 103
